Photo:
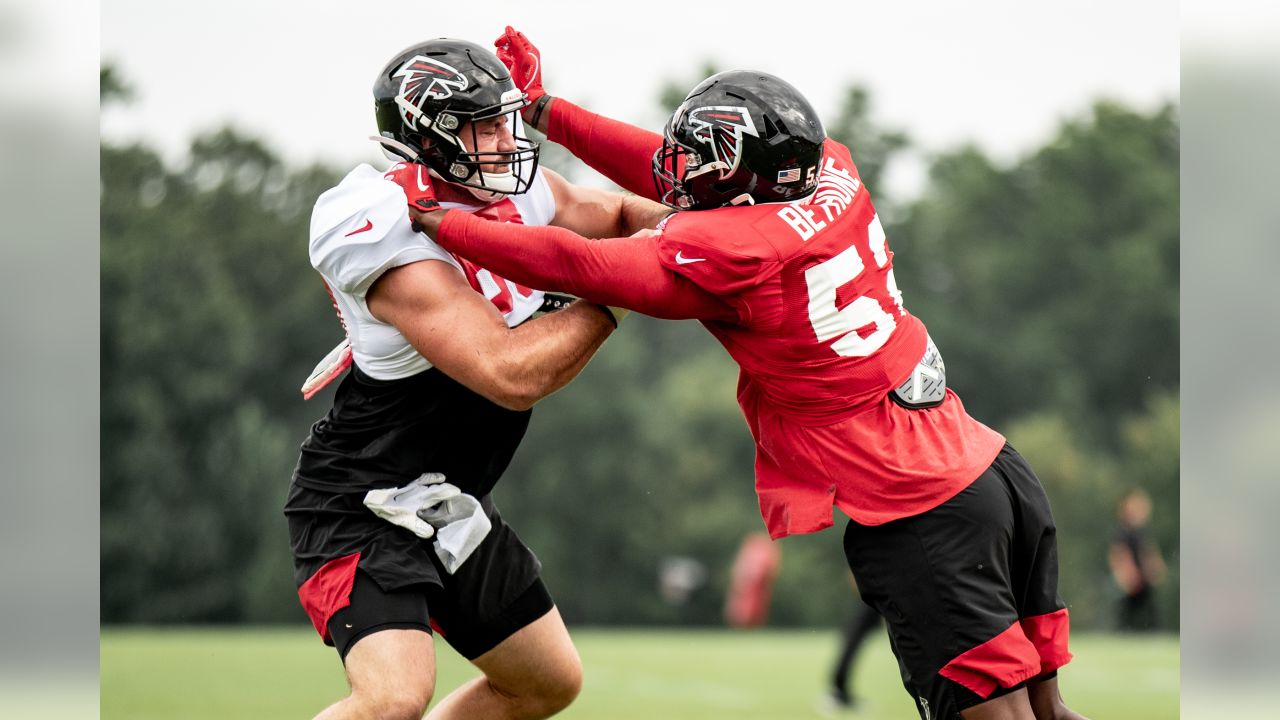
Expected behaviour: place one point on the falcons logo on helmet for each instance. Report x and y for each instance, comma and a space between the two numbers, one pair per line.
422, 78
722, 128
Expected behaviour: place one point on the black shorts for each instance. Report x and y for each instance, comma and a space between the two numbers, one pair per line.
348, 562
969, 590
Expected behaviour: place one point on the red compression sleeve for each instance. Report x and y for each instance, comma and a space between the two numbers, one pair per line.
624, 272
621, 152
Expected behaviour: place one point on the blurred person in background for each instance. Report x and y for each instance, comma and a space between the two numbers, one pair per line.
1137, 566
778, 251
751, 578
678, 578
393, 529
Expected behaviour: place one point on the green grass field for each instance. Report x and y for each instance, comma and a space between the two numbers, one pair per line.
268, 673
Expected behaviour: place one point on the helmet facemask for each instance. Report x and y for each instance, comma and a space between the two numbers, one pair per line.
685, 181
671, 163
689, 177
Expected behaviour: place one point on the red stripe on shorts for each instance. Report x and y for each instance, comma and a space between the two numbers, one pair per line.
328, 591
1049, 634
1005, 660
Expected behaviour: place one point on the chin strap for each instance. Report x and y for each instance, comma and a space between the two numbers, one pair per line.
408, 154
743, 199
484, 196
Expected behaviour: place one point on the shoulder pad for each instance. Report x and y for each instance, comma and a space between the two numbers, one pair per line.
721, 253
360, 229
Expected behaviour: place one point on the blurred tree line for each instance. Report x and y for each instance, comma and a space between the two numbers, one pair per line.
1051, 287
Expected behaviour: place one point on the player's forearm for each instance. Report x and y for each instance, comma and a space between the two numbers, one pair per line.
537, 114
637, 213
541, 257
621, 152
623, 272
544, 354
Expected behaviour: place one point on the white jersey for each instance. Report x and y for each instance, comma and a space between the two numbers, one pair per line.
361, 228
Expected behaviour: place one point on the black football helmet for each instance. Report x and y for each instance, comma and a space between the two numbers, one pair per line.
428, 92
739, 137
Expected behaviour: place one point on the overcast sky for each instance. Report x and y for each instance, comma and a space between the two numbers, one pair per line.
1001, 73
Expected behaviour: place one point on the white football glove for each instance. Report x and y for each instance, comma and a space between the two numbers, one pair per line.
328, 369
429, 507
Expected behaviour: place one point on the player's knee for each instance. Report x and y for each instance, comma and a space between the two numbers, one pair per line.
565, 688
404, 707
554, 692
404, 703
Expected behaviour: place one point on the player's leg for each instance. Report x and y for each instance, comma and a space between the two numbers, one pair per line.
1013, 706
385, 644
1047, 703
496, 612
942, 581
1035, 572
533, 674
392, 677
363, 583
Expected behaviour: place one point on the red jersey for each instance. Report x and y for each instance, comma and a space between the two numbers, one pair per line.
802, 296
823, 337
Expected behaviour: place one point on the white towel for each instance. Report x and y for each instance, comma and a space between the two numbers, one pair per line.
430, 508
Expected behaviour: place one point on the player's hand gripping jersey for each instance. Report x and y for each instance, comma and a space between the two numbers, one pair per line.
394, 416
815, 321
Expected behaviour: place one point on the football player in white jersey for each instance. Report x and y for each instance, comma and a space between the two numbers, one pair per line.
395, 536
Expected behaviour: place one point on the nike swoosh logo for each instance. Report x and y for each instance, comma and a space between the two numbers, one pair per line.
533, 74
421, 185
682, 260
368, 225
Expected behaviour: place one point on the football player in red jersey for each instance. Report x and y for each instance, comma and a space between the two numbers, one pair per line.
776, 247
392, 526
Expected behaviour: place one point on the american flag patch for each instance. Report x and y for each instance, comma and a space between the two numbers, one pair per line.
786, 176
